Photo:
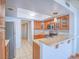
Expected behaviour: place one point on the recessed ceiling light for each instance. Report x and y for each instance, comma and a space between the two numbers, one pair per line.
32, 14
55, 13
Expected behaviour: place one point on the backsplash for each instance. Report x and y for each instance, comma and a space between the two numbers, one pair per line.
64, 32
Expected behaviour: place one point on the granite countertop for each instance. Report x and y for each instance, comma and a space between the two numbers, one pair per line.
6, 42
52, 40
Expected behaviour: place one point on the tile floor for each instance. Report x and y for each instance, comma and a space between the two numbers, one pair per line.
25, 52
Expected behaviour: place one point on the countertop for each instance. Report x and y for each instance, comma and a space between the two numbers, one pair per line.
52, 40
6, 42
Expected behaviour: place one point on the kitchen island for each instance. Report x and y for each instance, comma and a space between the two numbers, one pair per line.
53, 47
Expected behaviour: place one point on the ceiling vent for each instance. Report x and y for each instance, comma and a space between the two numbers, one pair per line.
67, 2
11, 9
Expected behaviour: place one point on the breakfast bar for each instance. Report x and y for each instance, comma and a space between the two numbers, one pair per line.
51, 46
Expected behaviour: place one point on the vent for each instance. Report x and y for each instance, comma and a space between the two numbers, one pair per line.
11, 9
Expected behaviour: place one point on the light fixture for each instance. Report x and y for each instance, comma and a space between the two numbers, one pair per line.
55, 20
32, 14
55, 14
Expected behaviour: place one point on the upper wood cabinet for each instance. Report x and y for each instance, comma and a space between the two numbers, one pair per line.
46, 23
37, 25
62, 23
65, 22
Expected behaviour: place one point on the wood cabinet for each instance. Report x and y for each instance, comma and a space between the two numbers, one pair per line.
2, 29
36, 51
65, 23
37, 25
46, 23
62, 23
39, 36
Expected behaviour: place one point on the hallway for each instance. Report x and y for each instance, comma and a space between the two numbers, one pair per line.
25, 52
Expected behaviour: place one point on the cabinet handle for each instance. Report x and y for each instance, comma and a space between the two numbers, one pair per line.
57, 46
68, 41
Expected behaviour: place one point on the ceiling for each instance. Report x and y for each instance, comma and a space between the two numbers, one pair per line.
75, 3
45, 7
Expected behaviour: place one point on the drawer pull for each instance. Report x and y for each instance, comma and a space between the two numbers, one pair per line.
57, 46
68, 41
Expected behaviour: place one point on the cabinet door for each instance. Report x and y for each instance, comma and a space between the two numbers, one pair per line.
37, 25
34, 25
36, 51
2, 22
65, 23
2, 44
46, 23
2, 29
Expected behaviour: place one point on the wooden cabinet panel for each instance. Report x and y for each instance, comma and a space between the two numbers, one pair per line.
46, 23
39, 36
37, 25
2, 44
2, 29
2, 8
2, 22
36, 51
65, 22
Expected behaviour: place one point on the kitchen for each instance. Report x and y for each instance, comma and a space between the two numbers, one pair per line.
50, 35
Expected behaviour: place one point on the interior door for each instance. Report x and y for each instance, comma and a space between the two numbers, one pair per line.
10, 37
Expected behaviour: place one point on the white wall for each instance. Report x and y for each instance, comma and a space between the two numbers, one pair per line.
18, 33
77, 30
22, 13
24, 30
17, 24
31, 31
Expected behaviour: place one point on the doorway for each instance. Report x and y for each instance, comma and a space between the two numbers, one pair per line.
11, 38
25, 50
24, 30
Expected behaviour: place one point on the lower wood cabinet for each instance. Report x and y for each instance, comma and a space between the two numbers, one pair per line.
2, 25
2, 44
39, 36
36, 51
